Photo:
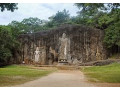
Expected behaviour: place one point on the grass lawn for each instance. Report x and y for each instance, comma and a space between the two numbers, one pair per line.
18, 74
109, 73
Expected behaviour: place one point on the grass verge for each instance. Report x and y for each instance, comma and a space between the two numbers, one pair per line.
109, 73
18, 74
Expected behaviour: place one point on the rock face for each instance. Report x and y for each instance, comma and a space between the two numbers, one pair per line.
74, 43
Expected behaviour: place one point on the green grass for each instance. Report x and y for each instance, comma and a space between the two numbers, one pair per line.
18, 74
109, 73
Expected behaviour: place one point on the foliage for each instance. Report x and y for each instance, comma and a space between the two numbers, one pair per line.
59, 18
28, 25
17, 28
8, 6
109, 73
31, 24
113, 35
7, 44
91, 9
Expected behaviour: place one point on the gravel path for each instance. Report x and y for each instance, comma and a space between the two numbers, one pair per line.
61, 78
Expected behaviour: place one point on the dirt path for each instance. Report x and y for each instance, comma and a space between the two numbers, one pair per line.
61, 78
66, 78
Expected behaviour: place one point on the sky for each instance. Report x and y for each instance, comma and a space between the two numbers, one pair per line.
39, 10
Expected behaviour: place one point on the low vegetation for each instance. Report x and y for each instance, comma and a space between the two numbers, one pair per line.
109, 73
18, 74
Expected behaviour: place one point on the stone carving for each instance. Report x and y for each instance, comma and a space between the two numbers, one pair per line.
37, 54
98, 55
63, 48
40, 55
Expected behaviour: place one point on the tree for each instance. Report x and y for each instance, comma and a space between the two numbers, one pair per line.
113, 35
8, 44
8, 6
17, 28
28, 25
59, 18
31, 24
91, 9
98, 14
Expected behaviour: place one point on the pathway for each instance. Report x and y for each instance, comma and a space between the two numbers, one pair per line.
61, 78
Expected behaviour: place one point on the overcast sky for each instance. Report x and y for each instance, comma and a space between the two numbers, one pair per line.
40, 10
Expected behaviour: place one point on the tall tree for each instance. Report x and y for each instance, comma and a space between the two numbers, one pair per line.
59, 18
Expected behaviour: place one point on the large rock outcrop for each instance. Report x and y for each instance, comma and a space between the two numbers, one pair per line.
85, 45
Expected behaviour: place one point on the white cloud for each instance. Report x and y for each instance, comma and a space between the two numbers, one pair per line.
40, 10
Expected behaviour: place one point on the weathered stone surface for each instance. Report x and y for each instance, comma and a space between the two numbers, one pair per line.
64, 48
37, 55
83, 43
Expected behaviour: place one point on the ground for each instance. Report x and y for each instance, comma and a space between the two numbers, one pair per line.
66, 78
60, 77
